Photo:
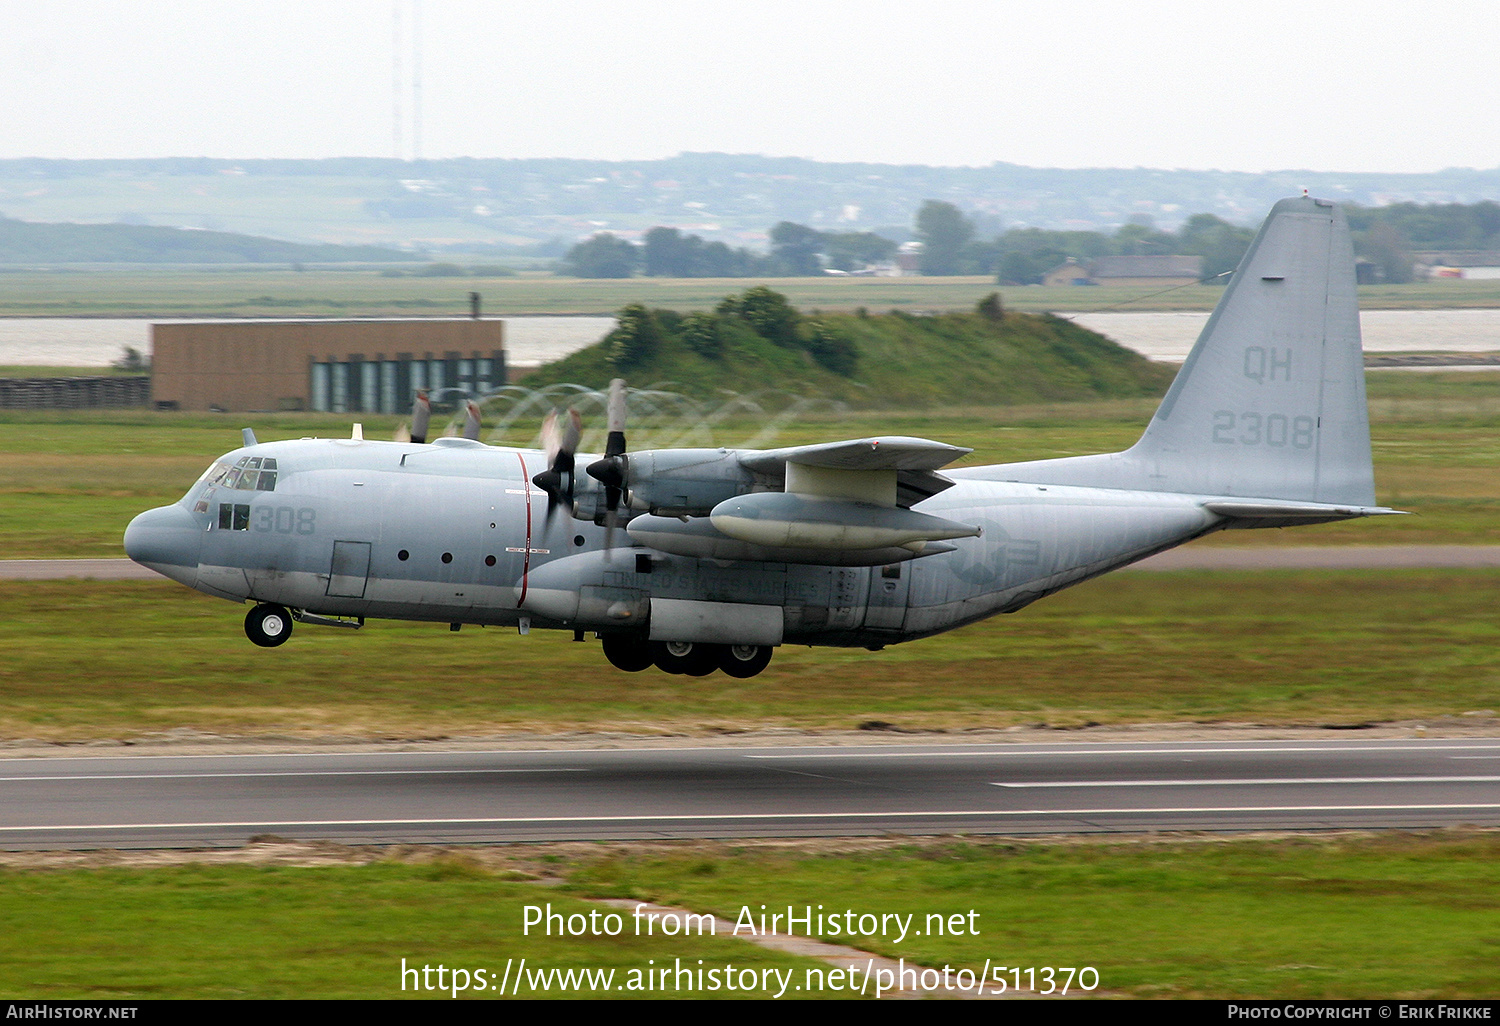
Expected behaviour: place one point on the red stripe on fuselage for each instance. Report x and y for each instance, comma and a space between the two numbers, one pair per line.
526, 559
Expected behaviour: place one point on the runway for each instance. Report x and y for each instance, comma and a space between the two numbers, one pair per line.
485, 797
1188, 557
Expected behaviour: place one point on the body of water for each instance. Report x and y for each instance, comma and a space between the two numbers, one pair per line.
531, 341
1169, 336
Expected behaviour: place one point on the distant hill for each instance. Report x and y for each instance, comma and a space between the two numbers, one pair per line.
27, 242
755, 343
543, 206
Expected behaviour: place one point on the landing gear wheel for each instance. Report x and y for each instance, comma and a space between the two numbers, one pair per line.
744, 660
627, 652
268, 625
692, 658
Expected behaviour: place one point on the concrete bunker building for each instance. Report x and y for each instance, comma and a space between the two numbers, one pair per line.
363, 366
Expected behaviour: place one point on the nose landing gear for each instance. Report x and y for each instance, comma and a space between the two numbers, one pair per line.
268, 625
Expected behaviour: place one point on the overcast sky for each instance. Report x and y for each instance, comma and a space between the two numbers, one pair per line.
1336, 86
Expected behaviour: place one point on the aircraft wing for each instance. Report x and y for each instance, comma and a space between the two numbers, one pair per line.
914, 461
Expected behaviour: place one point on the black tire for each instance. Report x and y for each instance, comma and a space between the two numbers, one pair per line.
744, 660
628, 652
268, 625
692, 658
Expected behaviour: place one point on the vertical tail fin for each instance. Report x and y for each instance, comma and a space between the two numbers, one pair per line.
1271, 400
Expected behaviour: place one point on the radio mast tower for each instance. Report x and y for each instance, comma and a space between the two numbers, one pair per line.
416, 79
396, 79
398, 45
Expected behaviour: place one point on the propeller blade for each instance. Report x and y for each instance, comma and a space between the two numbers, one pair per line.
611, 470
472, 424
560, 443
421, 413
572, 431
614, 445
551, 437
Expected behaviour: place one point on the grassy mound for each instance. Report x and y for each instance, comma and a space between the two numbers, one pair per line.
756, 341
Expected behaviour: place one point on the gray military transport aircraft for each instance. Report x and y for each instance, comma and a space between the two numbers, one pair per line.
729, 553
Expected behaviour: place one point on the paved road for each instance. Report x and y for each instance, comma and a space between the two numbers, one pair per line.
1189, 557
458, 797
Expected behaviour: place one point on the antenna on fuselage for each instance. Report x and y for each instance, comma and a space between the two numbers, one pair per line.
247, 436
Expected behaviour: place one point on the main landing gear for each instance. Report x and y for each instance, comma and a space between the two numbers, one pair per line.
268, 625
694, 659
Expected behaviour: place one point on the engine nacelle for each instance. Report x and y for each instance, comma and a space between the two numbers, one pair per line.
684, 482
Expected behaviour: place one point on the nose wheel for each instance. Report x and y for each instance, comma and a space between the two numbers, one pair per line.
268, 625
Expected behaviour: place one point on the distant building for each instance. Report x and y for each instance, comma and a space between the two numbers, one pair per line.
333, 366
1069, 272
1152, 271
1457, 263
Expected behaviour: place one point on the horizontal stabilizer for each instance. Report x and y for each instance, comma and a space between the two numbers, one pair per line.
1291, 514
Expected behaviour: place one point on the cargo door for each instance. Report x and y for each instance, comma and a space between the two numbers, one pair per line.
350, 570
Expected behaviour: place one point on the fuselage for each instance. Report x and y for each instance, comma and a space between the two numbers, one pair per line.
457, 533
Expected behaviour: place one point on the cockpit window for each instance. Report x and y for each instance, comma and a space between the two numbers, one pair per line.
251, 473
248, 473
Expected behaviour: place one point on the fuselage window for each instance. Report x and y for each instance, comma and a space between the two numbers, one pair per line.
234, 516
267, 482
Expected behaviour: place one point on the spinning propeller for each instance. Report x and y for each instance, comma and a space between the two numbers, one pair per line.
561, 442
560, 434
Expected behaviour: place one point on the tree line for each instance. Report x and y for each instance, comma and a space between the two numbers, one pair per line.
796, 250
950, 244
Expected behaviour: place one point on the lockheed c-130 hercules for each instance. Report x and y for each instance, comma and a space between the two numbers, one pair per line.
702, 559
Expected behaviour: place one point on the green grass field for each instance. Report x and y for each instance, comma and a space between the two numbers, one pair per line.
115, 291
85, 660
1338, 917
1397, 916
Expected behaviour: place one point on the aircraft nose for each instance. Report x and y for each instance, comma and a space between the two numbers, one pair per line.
165, 539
